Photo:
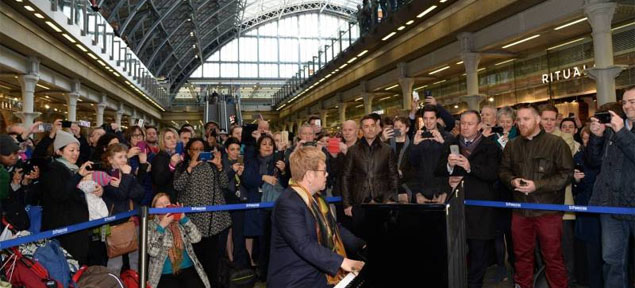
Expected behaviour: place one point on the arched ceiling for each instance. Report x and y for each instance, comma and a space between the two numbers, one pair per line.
173, 37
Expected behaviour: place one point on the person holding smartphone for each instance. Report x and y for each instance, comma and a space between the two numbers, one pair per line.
201, 183
473, 158
537, 166
165, 162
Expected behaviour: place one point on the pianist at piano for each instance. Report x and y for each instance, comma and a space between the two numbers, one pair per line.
308, 246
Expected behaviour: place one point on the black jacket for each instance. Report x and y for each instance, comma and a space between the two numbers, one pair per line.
614, 155
479, 185
423, 158
64, 204
162, 177
369, 173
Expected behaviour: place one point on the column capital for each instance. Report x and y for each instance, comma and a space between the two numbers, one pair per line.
33, 63
402, 67
363, 86
28, 81
466, 41
470, 60
611, 72
473, 101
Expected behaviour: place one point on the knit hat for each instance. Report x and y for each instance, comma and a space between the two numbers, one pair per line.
102, 178
63, 138
8, 145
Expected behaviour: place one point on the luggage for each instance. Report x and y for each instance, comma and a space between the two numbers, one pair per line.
97, 277
21, 271
130, 278
52, 258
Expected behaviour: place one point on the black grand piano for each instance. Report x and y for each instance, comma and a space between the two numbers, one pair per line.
413, 245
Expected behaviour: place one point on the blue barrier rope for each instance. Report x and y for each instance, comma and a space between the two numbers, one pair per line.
228, 207
65, 230
553, 207
246, 206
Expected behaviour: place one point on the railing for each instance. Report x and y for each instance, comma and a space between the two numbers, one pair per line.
90, 32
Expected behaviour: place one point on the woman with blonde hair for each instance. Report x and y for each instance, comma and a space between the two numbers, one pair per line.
172, 261
164, 163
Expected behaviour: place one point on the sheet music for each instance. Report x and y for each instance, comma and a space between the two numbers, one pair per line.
347, 280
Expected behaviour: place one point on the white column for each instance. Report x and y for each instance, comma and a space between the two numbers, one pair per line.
599, 14
473, 101
119, 115
28, 82
323, 117
132, 119
342, 112
368, 102
470, 60
100, 107
406, 85
71, 100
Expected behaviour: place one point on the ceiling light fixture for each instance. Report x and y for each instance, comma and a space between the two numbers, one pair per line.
388, 36
521, 41
360, 98
391, 87
38, 15
456, 106
504, 62
401, 28
438, 82
69, 38
459, 63
343, 65
351, 60
42, 86
410, 22
565, 44
92, 56
29, 8
362, 53
623, 26
570, 23
53, 26
439, 70
426, 11
81, 47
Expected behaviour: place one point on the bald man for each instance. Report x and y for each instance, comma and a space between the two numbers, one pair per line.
349, 133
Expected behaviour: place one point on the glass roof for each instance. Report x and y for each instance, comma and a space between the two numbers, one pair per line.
254, 8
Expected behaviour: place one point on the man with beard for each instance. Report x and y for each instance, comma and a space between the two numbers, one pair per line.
152, 139
537, 167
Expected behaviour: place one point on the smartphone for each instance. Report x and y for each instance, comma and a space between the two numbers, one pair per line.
571, 115
497, 129
205, 156
142, 146
318, 122
603, 117
522, 182
84, 123
176, 216
579, 167
95, 167
179, 148
415, 96
425, 133
333, 145
312, 143
241, 159
45, 127
396, 133
427, 93
454, 149
66, 124
140, 123
278, 156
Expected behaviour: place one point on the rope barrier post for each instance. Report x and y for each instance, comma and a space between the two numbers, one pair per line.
143, 250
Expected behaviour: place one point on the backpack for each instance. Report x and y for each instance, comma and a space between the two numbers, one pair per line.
130, 278
24, 272
97, 277
51, 257
233, 277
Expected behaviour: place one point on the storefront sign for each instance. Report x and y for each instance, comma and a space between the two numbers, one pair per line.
563, 74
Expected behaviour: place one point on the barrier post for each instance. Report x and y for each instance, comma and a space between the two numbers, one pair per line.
143, 249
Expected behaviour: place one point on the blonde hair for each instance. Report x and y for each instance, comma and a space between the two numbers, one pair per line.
155, 199
305, 159
163, 132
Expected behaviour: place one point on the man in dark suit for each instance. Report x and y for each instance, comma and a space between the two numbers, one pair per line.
307, 245
476, 163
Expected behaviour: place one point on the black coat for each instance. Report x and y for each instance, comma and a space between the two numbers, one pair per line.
296, 258
162, 177
479, 185
423, 159
369, 173
64, 204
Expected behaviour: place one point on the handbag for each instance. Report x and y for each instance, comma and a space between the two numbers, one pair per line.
123, 238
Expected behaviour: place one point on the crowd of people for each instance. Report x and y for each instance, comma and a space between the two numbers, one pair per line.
524, 154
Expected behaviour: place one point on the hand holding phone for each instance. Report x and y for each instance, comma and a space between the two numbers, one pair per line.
454, 150
205, 156
179, 148
603, 117
333, 145
175, 216
66, 124
522, 182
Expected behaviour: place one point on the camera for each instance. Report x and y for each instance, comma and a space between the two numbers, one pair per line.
426, 133
95, 167
522, 183
497, 129
27, 167
311, 143
603, 117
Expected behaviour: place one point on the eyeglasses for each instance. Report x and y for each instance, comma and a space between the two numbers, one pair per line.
137, 135
325, 172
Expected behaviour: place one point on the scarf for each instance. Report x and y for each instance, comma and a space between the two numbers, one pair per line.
466, 150
325, 227
74, 168
175, 253
263, 164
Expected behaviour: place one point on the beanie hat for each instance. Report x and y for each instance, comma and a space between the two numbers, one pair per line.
63, 138
8, 145
102, 178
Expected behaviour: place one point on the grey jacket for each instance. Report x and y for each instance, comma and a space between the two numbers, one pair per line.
159, 243
614, 154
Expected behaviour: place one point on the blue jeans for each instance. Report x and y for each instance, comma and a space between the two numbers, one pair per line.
615, 236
